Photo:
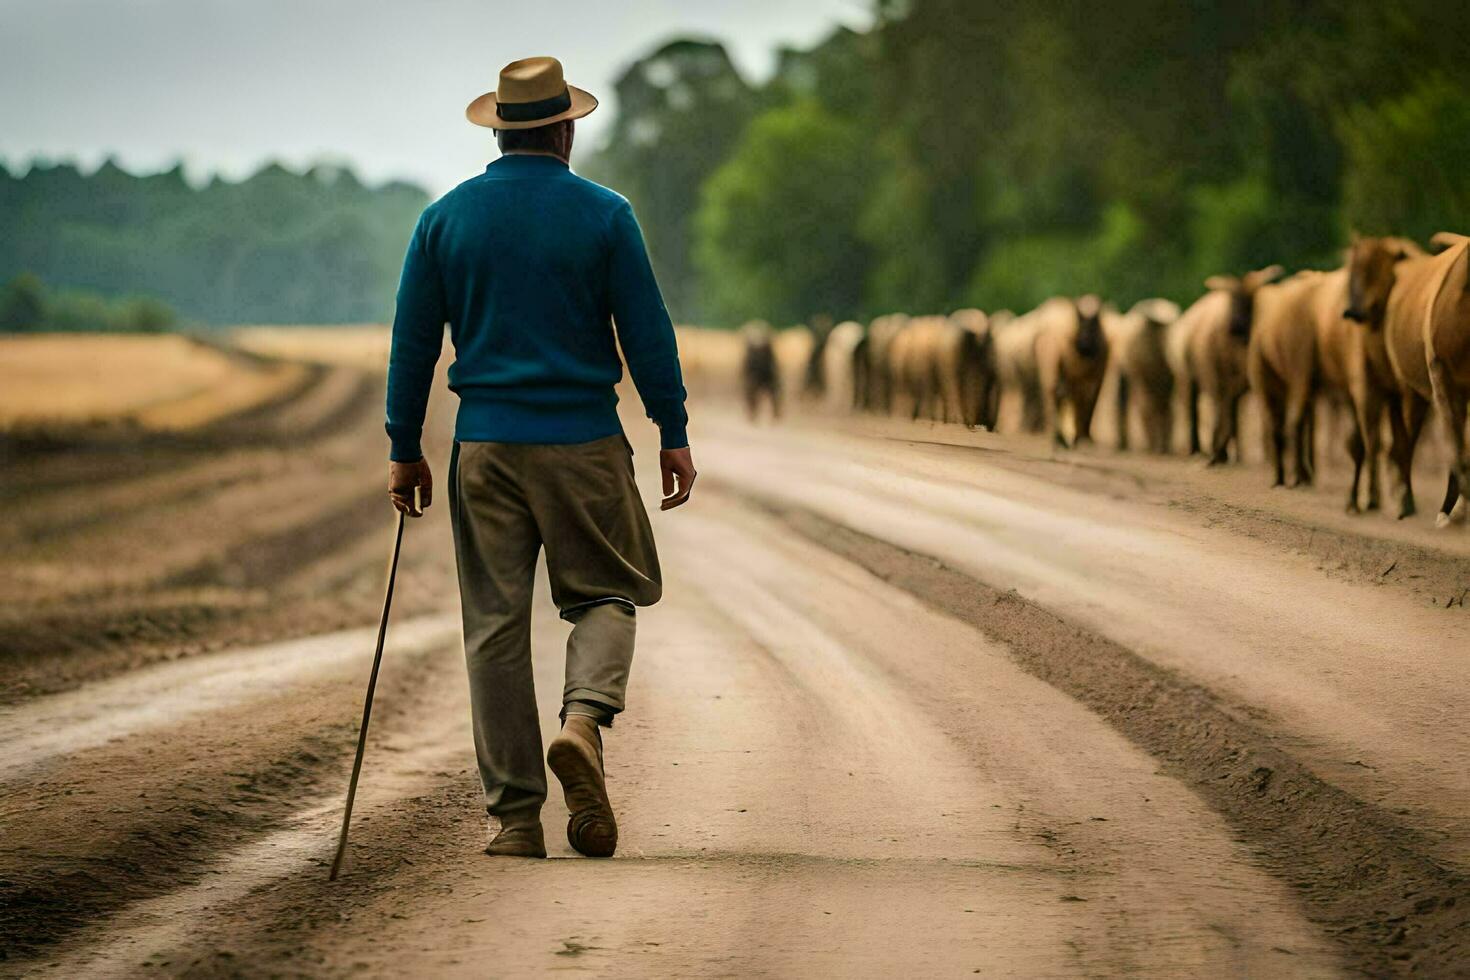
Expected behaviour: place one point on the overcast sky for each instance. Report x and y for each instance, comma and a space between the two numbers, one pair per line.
226, 84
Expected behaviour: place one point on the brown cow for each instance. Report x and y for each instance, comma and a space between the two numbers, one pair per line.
1137, 339
1352, 357
1447, 347
814, 380
911, 368
1071, 359
939, 369
1214, 333
1281, 362
844, 365
973, 354
1013, 340
878, 390
759, 375
990, 406
1426, 326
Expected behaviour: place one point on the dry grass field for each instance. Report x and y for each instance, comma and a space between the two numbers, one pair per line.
363, 346
155, 383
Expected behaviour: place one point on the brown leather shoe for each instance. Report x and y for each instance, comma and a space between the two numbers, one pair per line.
520, 838
575, 756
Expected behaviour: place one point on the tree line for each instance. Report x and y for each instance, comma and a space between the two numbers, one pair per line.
28, 305
277, 247
986, 153
995, 153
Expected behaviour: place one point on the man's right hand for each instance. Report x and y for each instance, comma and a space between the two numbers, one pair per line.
677, 466
403, 478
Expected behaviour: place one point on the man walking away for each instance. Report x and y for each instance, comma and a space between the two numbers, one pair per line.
531, 266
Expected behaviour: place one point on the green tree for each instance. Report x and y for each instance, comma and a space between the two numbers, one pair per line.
144, 314
681, 111
22, 304
1397, 181
775, 223
278, 247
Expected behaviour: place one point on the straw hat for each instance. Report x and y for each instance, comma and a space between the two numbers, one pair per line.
532, 92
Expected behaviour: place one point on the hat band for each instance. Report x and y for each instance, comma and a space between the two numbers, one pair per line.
527, 111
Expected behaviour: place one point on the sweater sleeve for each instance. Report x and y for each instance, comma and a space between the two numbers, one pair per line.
418, 337
645, 331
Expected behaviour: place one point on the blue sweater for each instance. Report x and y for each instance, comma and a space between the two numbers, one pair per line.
531, 265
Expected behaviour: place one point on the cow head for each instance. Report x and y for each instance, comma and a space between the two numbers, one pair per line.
1090, 342
1372, 271
1156, 313
1242, 293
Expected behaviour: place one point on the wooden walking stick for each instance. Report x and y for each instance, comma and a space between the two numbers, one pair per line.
367, 704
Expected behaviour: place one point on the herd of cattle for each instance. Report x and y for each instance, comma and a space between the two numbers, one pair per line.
1387, 334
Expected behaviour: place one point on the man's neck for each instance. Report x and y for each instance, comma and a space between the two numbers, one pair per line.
535, 153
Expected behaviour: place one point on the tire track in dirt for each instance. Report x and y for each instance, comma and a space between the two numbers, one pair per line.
1363, 876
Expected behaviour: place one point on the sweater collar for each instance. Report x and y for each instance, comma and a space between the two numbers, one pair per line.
525, 163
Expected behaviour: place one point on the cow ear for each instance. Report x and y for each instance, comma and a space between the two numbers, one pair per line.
1157, 310
1447, 239
1262, 276
1404, 248
1226, 283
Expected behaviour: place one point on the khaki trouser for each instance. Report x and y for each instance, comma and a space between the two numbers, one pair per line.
507, 500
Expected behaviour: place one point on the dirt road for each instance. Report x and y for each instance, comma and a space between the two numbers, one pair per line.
918, 701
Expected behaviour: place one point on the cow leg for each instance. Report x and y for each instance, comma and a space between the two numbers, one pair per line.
1275, 440
1235, 426
1273, 403
954, 399
1223, 432
1414, 409
1165, 410
1055, 407
1356, 450
1450, 399
1297, 425
1033, 410
1314, 421
1154, 409
1084, 404
1123, 411
1053, 401
1367, 406
1192, 398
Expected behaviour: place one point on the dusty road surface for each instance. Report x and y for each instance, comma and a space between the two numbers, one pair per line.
918, 701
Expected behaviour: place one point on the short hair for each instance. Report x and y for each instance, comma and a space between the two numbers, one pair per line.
543, 139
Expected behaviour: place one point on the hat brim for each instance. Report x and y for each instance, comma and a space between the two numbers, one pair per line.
482, 111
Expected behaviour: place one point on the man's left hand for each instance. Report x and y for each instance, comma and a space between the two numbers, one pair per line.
403, 478
677, 468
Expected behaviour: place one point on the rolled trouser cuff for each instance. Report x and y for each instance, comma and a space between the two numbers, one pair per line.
593, 704
571, 613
